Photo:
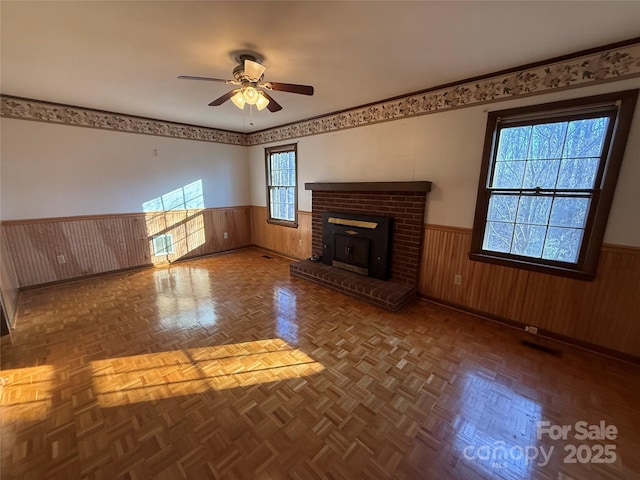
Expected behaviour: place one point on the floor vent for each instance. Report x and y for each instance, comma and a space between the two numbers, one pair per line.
542, 348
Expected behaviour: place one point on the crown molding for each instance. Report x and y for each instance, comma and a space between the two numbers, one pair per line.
590, 67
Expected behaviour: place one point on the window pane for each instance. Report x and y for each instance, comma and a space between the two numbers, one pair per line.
569, 212
503, 208
547, 140
586, 137
497, 237
542, 173
508, 175
528, 240
291, 193
290, 215
562, 244
578, 173
534, 210
513, 143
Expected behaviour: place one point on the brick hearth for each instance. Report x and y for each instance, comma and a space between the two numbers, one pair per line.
390, 295
405, 202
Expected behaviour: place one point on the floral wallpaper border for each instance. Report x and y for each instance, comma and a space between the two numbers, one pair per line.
601, 67
607, 66
27, 109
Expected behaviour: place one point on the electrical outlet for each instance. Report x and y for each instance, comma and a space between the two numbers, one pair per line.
300, 242
457, 279
531, 329
225, 234
61, 259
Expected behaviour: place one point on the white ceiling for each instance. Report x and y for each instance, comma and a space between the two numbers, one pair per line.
124, 56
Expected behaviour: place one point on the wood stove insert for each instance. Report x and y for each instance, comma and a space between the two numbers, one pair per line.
357, 243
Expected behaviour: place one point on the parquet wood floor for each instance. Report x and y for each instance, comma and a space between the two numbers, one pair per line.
227, 368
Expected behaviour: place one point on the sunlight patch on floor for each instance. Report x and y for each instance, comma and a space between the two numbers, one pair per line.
157, 376
26, 394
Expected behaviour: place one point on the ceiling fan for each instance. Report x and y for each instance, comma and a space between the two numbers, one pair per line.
248, 76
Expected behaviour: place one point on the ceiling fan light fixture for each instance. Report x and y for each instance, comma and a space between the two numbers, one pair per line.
262, 101
238, 99
250, 94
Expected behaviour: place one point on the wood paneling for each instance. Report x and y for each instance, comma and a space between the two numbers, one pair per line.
603, 312
104, 243
8, 279
292, 242
199, 232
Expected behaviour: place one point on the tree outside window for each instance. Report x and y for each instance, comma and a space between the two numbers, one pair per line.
548, 178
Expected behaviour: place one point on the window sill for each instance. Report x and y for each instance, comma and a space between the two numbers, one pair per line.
283, 223
535, 267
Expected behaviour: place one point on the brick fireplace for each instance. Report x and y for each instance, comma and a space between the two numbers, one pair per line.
405, 203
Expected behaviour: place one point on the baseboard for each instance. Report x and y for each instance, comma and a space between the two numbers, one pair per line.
84, 277
542, 333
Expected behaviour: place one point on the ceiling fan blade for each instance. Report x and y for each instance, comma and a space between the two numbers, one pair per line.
222, 99
290, 87
253, 70
273, 106
208, 79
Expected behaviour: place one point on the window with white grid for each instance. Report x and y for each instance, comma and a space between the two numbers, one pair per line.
282, 197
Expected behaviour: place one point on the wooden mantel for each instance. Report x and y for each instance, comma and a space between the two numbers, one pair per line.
369, 186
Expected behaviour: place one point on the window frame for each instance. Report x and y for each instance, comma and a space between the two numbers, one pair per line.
602, 193
292, 147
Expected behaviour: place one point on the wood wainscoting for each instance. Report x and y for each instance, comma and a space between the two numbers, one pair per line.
8, 279
604, 312
292, 242
56, 249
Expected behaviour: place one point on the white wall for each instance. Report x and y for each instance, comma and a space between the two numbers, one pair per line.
51, 170
446, 149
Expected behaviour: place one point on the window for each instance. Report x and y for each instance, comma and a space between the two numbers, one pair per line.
282, 191
547, 182
163, 244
